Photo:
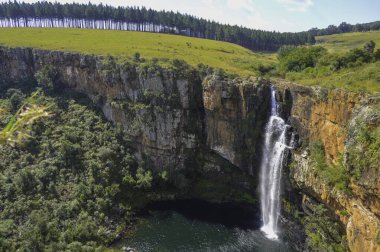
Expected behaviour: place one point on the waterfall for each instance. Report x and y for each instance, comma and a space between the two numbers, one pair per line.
273, 155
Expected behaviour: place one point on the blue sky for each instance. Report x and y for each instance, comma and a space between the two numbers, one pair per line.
278, 15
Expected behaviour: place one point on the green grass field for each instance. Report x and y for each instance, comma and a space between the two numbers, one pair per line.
365, 78
339, 43
230, 57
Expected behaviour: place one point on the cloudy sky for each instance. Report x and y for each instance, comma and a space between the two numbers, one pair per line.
279, 15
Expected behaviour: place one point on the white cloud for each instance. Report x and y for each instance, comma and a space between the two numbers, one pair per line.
297, 5
244, 5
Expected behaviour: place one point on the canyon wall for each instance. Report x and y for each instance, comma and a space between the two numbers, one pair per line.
342, 123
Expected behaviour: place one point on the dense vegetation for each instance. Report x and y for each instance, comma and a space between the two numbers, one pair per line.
334, 175
364, 133
356, 69
345, 28
47, 14
324, 234
68, 185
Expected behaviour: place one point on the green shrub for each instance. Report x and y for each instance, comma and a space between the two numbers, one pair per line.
46, 77
16, 97
323, 233
366, 139
298, 58
334, 175
376, 55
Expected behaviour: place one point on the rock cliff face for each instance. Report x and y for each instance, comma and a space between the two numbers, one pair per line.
334, 118
176, 121
231, 107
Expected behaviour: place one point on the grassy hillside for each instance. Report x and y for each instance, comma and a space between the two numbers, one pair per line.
123, 44
364, 78
339, 43
339, 66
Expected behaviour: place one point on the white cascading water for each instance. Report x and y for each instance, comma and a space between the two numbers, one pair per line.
273, 155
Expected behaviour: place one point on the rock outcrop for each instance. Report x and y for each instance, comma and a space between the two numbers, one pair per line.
331, 117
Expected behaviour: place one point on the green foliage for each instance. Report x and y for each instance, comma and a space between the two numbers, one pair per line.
369, 47
264, 70
285, 50
324, 234
63, 190
136, 57
299, 58
335, 175
344, 213
376, 55
354, 57
356, 69
164, 175
143, 179
378, 237
317, 155
18, 128
366, 139
45, 77
16, 97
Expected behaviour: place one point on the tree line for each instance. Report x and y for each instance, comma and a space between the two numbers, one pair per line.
345, 27
73, 15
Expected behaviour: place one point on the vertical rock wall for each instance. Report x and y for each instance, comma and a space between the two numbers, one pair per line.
329, 116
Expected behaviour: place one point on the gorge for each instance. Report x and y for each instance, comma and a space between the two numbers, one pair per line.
206, 132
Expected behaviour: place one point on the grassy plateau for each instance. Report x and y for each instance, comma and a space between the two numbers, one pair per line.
217, 54
123, 44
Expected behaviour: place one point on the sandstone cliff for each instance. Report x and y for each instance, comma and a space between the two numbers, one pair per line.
335, 119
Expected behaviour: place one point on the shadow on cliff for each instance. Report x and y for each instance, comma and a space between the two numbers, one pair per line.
231, 215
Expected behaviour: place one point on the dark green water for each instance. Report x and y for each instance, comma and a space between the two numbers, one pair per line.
192, 227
